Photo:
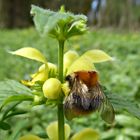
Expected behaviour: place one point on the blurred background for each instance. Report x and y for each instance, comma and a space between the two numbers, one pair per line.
118, 13
114, 28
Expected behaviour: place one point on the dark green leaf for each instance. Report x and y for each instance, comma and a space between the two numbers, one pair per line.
123, 103
17, 112
8, 109
4, 125
17, 98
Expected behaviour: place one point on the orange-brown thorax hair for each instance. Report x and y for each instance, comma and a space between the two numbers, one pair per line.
90, 78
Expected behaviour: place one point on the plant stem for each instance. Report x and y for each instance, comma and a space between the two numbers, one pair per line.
61, 133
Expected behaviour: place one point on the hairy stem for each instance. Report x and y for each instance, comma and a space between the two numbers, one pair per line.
61, 133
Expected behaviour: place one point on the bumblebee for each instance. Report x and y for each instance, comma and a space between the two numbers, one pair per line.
86, 96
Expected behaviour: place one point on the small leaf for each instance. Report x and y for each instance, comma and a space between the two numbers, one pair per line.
97, 56
4, 125
30, 53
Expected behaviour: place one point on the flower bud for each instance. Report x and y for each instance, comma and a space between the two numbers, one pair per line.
52, 88
29, 137
52, 131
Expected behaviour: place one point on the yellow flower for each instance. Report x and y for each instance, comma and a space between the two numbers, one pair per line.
86, 61
29, 137
52, 131
86, 134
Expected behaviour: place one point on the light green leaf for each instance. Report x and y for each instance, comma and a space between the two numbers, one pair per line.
110, 134
30, 53
10, 89
126, 120
132, 132
122, 137
97, 56
59, 25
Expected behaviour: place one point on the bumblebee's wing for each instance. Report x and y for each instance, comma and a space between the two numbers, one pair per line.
107, 111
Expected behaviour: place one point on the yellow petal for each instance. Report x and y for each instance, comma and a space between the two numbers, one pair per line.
40, 76
69, 57
52, 131
29, 137
86, 134
97, 56
86, 61
27, 83
82, 63
30, 53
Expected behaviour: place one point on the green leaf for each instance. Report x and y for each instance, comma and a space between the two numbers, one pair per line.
17, 98
11, 90
30, 53
42, 19
8, 109
4, 125
60, 25
126, 120
123, 103
17, 129
133, 132
17, 112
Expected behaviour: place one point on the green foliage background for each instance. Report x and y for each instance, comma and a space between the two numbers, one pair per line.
120, 76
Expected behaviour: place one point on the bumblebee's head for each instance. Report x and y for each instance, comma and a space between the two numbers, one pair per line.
70, 79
